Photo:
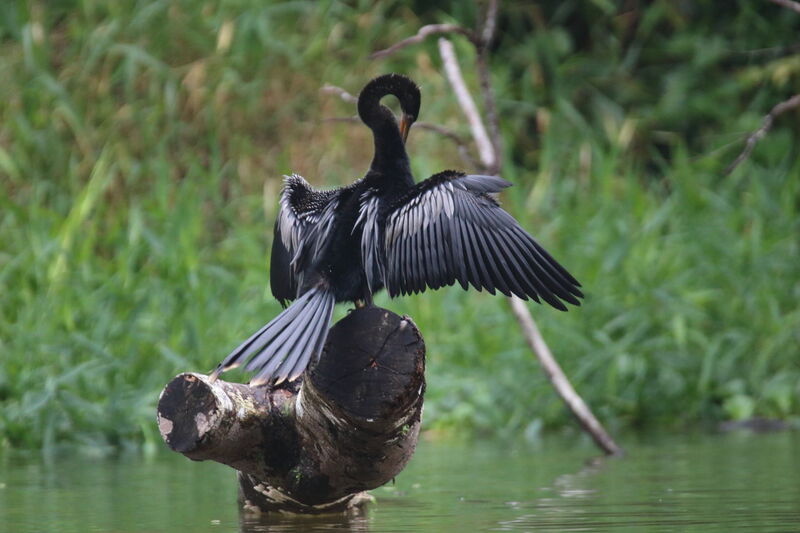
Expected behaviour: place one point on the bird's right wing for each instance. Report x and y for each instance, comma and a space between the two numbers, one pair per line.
303, 222
448, 228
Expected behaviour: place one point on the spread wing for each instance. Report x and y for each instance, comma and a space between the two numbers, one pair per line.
304, 218
448, 229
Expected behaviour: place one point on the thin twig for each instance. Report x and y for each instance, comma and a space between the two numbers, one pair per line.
559, 379
422, 34
453, 73
766, 124
338, 91
789, 4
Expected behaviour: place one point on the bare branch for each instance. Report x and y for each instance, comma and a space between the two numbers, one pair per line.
453, 73
422, 34
766, 124
491, 23
789, 4
341, 93
559, 379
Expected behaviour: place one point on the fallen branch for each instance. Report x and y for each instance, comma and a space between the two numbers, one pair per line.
759, 134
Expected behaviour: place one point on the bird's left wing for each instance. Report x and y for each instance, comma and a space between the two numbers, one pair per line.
448, 228
301, 227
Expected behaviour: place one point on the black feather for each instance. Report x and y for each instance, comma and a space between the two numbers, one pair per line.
475, 242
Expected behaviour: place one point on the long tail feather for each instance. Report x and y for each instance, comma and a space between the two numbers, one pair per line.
284, 346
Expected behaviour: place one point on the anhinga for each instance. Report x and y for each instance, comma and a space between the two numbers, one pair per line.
384, 230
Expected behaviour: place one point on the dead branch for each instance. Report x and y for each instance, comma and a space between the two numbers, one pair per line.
766, 124
423, 33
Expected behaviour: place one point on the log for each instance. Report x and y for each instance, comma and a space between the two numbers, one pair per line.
315, 445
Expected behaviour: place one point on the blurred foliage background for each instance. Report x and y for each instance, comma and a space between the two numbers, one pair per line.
142, 146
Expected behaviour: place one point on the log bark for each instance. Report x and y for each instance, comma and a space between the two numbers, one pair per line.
349, 425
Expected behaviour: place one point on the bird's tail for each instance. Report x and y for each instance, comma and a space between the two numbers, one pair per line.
283, 348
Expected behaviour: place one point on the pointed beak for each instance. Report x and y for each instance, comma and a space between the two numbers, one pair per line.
405, 124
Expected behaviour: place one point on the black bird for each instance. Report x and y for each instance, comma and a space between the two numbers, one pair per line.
384, 230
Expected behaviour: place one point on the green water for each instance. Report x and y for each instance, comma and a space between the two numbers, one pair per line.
718, 482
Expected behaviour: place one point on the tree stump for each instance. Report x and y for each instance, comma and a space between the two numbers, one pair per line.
349, 425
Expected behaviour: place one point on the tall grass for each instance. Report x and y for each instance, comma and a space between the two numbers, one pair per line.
141, 149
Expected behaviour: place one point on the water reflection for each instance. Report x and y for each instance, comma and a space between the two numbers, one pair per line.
734, 482
356, 522
417, 501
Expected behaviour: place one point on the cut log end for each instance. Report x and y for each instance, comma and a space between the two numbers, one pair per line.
382, 370
187, 411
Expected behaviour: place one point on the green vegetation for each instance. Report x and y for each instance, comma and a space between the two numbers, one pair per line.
142, 146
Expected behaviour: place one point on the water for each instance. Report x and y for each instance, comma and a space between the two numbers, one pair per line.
718, 482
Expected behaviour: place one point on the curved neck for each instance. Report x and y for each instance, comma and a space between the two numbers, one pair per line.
390, 152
